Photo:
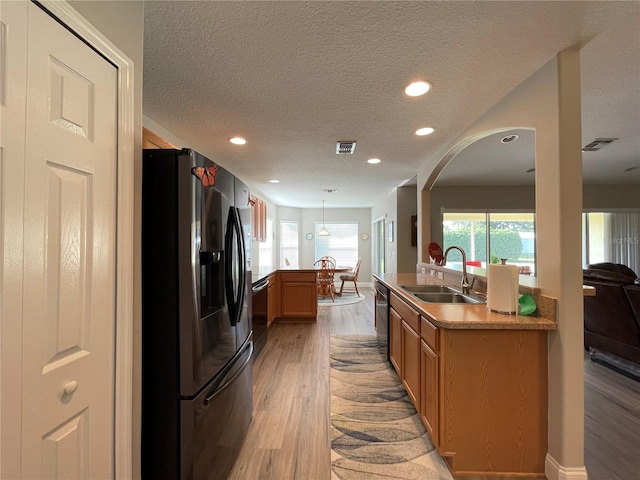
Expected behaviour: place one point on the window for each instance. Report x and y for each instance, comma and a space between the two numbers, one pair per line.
265, 249
611, 237
492, 236
288, 244
342, 244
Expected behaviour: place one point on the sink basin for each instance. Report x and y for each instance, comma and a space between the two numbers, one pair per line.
449, 297
428, 289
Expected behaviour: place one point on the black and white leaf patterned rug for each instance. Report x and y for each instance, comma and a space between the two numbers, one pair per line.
376, 432
347, 299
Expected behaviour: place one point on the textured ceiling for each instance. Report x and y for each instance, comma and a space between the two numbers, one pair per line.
296, 77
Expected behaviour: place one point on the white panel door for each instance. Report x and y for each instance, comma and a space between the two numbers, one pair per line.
69, 257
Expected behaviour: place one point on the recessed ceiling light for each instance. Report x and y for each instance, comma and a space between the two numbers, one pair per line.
274, 181
630, 169
416, 89
425, 131
238, 140
510, 138
374, 161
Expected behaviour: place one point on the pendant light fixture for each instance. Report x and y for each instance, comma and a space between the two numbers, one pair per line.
323, 232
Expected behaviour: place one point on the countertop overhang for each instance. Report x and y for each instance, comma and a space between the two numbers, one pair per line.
459, 316
265, 272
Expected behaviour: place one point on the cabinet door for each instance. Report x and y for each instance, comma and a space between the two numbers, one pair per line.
411, 363
298, 300
395, 340
429, 390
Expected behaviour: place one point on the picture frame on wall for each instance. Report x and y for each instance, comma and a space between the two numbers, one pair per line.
390, 229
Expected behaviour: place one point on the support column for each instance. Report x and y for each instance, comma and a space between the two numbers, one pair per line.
559, 224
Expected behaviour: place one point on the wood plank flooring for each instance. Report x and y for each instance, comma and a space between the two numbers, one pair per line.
289, 435
612, 424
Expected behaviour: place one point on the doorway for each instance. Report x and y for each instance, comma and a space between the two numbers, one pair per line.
378, 245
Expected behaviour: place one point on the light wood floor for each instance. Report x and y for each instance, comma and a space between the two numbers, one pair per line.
289, 435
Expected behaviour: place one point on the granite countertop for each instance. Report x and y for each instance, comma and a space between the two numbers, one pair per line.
460, 316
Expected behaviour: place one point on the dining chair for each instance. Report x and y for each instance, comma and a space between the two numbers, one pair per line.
330, 259
326, 270
351, 277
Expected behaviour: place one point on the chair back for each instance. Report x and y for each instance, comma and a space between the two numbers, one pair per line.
356, 270
330, 261
325, 264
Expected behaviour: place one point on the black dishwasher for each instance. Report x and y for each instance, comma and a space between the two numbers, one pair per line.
382, 316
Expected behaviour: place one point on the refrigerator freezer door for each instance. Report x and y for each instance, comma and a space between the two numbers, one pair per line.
214, 424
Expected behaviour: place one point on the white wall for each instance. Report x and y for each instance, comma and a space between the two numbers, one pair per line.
398, 207
606, 197
407, 206
388, 206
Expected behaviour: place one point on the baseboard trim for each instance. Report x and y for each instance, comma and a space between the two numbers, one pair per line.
616, 363
554, 471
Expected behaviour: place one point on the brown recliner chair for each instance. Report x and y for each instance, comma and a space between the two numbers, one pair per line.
612, 316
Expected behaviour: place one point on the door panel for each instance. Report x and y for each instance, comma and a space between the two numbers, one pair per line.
69, 268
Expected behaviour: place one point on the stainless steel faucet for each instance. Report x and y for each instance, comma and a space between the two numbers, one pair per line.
466, 286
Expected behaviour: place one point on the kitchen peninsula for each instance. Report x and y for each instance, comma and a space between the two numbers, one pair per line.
477, 378
292, 295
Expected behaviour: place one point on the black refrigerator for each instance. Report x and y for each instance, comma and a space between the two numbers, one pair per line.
196, 317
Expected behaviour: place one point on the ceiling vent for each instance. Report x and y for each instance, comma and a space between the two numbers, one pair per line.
345, 148
597, 144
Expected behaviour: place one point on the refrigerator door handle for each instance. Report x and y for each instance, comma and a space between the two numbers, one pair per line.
241, 263
260, 286
228, 267
217, 389
235, 287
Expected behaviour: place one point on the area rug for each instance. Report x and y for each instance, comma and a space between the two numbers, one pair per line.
347, 299
376, 432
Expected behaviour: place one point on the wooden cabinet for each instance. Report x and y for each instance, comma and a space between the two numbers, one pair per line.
411, 363
405, 345
429, 379
273, 300
151, 140
481, 393
493, 401
298, 295
258, 219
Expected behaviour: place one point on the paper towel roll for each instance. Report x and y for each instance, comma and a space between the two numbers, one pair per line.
502, 288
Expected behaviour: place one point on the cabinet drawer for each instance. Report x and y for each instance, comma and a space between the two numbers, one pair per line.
298, 277
429, 333
407, 313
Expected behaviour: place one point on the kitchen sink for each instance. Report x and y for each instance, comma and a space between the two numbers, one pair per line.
449, 297
429, 289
